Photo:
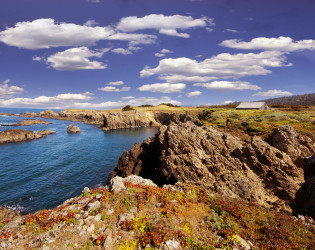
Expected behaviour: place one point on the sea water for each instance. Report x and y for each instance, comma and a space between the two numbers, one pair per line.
42, 173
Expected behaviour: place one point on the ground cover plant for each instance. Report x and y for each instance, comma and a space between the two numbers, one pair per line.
143, 216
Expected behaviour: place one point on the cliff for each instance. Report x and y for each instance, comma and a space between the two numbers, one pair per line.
255, 171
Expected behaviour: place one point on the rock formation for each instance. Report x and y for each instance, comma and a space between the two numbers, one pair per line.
48, 114
286, 139
305, 196
19, 135
188, 153
128, 119
27, 123
73, 129
28, 114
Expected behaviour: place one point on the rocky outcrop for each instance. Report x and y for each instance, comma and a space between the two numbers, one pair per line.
19, 135
48, 114
28, 114
27, 123
93, 117
286, 139
166, 118
128, 119
305, 196
7, 214
73, 129
255, 171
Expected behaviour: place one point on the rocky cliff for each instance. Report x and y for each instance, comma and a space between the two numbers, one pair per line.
255, 171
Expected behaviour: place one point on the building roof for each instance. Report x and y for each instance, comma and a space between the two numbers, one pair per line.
251, 105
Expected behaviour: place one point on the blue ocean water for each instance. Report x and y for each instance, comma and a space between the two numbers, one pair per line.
41, 174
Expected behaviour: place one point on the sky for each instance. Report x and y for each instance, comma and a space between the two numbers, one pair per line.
103, 54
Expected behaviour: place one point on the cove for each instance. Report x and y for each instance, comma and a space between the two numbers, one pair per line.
41, 174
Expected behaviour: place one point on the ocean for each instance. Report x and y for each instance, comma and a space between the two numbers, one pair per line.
42, 173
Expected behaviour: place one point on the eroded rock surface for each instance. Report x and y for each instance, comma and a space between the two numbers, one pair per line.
48, 114
188, 153
20, 135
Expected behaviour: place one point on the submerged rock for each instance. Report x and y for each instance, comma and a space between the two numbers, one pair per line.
73, 129
187, 153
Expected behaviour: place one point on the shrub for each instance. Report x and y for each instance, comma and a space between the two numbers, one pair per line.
146, 106
127, 108
169, 104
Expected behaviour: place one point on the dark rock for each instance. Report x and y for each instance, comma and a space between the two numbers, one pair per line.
309, 167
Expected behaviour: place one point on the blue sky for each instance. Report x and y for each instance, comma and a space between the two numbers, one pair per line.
101, 54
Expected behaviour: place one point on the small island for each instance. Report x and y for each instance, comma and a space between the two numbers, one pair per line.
20, 135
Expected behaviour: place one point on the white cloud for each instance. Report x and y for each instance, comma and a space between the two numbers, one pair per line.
46, 33
117, 83
93, 1
133, 38
163, 52
199, 56
224, 66
167, 25
163, 87
232, 31
228, 86
60, 101
194, 93
127, 97
114, 89
228, 102
281, 43
38, 58
273, 92
90, 23
121, 51
76, 59
7, 91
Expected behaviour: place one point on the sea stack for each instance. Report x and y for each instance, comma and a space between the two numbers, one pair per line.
73, 129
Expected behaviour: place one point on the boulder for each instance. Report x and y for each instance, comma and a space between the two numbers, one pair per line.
186, 152
117, 183
42, 133
73, 129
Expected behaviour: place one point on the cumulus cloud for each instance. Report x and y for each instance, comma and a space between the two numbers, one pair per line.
163, 87
128, 101
121, 51
93, 1
46, 33
228, 86
116, 83
194, 93
7, 91
224, 65
273, 92
59, 101
163, 52
114, 89
167, 25
281, 43
134, 38
76, 59
90, 23
38, 58
228, 102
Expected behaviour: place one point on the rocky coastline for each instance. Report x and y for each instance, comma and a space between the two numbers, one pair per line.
20, 135
185, 166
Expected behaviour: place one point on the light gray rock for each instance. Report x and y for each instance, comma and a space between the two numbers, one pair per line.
243, 243
93, 206
170, 245
125, 216
108, 243
117, 183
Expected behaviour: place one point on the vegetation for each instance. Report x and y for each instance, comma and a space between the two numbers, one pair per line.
127, 108
257, 122
169, 105
191, 215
